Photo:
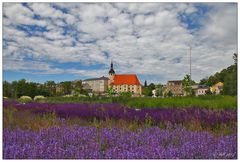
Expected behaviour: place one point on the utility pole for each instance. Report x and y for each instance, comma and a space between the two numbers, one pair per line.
190, 71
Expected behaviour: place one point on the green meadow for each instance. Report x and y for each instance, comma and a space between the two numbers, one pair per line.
208, 101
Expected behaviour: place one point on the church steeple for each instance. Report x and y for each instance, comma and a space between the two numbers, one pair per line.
111, 71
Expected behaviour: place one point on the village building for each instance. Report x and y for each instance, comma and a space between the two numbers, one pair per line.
96, 85
200, 90
175, 87
217, 88
124, 82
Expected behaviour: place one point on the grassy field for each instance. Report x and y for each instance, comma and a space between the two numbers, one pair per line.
211, 102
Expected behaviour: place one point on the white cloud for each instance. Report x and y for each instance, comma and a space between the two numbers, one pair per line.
142, 38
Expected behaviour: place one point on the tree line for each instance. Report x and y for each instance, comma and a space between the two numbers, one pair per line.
22, 87
228, 76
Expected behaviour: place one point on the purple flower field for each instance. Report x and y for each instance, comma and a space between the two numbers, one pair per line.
176, 140
89, 143
116, 111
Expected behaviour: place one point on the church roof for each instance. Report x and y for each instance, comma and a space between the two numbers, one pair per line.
129, 79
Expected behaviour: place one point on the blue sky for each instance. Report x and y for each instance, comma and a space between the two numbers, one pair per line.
69, 41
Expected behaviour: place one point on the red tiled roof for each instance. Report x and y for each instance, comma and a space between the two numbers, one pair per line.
129, 79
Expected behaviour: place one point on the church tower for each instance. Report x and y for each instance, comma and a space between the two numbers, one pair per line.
111, 73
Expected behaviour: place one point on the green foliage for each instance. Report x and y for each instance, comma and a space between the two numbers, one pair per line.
147, 91
67, 87
76, 99
145, 83
25, 99
125, 94
235, 58
40, 99
169, 94
110, 92
230, 84
50, 88
228, 76
207, 101
159, 90
7, 89
187, 83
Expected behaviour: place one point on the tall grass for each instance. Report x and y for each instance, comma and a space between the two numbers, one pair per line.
95, 99
212, 102
208, 101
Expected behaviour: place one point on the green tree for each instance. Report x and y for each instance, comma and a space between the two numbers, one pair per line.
235, 58
145, 83
151, 86
78, 87
147, 91
7, 89
230, 79
21, 88
110, 92
67, 87
187, 83
159, 90
31, 89
169, 94
14, 91
50, 87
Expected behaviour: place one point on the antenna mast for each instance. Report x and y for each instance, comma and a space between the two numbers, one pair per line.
190, 62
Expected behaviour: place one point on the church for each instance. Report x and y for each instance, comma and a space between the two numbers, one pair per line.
124, 82
118, 82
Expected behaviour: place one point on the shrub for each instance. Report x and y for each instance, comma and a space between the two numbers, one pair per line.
25, 99
39, 99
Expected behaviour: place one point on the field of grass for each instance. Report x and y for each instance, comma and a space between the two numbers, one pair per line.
210, 102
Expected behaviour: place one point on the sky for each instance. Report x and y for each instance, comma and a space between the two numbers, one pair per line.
71, 41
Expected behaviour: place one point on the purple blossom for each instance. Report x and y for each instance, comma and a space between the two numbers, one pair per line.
116, 111
82, 143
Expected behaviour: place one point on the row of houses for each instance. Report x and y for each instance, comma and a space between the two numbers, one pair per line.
177, 89
130, 83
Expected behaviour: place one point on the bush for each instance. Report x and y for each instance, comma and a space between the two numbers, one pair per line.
25, 99
39, 99
125, 94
